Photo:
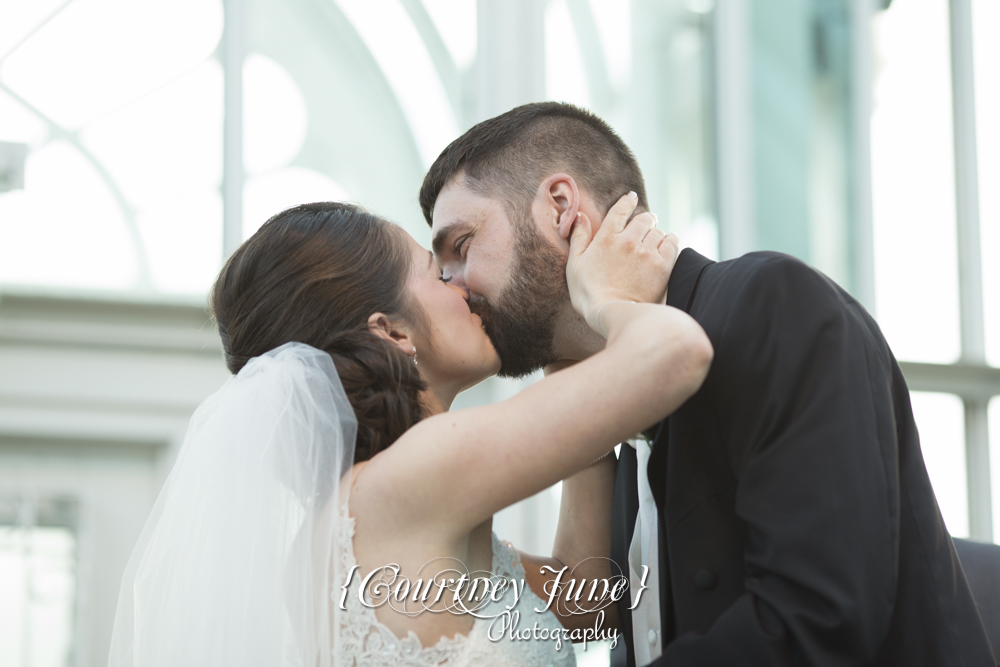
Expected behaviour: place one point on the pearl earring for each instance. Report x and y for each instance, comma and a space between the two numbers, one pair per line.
414, 356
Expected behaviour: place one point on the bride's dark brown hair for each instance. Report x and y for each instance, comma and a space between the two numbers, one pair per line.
314, 274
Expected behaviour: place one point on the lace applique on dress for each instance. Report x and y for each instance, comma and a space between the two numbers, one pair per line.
366, 642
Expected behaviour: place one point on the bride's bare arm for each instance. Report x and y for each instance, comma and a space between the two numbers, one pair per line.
452, 471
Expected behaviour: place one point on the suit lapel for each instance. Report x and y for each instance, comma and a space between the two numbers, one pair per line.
680, 294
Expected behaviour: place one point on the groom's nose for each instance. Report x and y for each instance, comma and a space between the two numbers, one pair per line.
456, 285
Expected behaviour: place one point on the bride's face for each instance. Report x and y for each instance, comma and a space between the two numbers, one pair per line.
457, 354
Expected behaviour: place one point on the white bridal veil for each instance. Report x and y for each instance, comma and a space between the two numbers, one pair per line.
237, 562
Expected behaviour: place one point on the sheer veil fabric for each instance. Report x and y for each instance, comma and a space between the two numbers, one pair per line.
237, 562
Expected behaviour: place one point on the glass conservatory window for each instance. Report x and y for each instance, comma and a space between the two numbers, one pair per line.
121, 107
916, 267
120, 104
985, 21
565, 78
275, 124
95, 56
941, 422
275, 116
402, 56
38, 588
455, 21
614, 23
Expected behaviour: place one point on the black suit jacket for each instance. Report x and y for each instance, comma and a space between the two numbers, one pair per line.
797, 521
981, 564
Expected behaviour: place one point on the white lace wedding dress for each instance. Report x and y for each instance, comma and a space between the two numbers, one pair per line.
365, 642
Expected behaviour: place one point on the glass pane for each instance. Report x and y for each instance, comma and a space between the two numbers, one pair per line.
96, 55
18, 25
363, 102
565, 78
406, 65
985, 25
941, 422
276, 122
916, 270
666, 112
37, 581
455, 21
830, 139
120, 104
66, 227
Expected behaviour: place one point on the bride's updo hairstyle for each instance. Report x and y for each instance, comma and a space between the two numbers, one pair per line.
314, 274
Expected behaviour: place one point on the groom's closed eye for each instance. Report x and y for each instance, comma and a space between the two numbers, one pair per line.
448, 238
461, 244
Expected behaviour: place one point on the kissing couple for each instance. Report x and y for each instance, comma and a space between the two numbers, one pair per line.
770, 499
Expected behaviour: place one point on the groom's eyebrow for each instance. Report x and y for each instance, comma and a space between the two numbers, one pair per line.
442, 235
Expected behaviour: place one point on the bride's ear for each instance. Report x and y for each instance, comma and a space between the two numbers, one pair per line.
380, 325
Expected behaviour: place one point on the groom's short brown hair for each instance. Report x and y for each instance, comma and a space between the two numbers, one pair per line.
509, 155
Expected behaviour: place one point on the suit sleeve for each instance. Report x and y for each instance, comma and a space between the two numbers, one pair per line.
805, 408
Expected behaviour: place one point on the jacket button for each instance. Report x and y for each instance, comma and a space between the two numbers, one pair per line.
704, 580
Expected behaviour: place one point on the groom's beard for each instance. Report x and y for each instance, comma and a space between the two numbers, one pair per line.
521, 322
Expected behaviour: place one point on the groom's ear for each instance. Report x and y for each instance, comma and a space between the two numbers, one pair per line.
561, 198
380, 325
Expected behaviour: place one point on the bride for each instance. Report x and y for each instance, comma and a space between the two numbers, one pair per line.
327, 509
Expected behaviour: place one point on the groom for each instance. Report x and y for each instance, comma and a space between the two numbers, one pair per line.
784, 511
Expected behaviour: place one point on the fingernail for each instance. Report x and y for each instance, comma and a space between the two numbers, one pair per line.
633, 195
656, 219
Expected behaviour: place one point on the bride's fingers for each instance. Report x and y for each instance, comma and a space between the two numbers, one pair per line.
669, 248
639, 226
654, 237
617, 218
580, 236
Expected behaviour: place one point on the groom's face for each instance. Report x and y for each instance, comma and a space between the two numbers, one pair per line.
515, 276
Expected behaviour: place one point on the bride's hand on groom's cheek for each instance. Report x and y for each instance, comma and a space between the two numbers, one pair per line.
624, 260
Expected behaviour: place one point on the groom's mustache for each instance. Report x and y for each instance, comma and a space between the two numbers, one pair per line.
491, 318
521, 320
520, 330
507, 337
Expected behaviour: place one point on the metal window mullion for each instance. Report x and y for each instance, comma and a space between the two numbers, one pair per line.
444, 64
863, 237
510, 56
977, 467
233, 176
733, 53
595, 66
970, 278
